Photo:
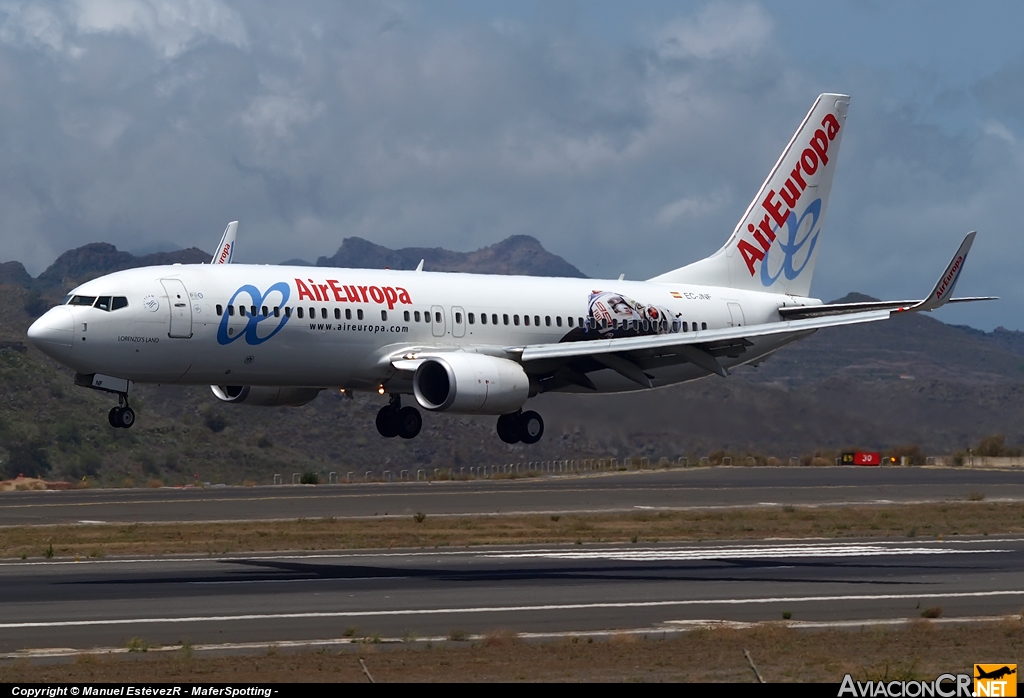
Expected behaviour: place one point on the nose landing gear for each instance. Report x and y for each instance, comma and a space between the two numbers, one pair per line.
526, 427
394, 420
122, 416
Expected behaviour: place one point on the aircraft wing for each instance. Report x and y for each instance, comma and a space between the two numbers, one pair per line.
699, 347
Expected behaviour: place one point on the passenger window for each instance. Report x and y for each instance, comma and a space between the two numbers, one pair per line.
515, 320
220, 310
406, 315
241, 311
526, 320
458, 318
437, 317
82, 300
323, 313
494, 319
703, 325
685, 327
337, 313
288, 311
483, 318
277, 311
298, 311
252, 310
547, 321
569, 320
416, 315
265, 311
504, 318
426, 317
103, 303
384, 315
580, 321
536, 320
231, 311
348, 313
359, 313
470, 317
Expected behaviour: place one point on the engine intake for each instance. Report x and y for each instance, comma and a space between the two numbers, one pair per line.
264, 396
470, 384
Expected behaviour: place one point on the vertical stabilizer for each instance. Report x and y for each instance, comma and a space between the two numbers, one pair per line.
775, 245
226, 248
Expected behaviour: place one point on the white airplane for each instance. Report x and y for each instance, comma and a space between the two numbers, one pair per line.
468, 343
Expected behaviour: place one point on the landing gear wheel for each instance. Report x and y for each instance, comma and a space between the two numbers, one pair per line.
531, 427
408, 422
121, 417
127, 418
508, 428
387, 423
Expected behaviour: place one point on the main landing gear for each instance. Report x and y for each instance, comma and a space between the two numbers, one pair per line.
527, 427
122, 416
395, 420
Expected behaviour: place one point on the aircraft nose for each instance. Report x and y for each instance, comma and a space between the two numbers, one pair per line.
53, 332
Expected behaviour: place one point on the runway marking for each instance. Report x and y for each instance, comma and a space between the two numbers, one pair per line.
497, 552
744, 552
511, 609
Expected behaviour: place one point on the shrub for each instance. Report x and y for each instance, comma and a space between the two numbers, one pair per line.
309, 478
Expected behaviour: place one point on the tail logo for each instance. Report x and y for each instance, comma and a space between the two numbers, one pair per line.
792, 247
950, 278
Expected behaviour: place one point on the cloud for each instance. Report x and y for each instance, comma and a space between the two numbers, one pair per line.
135, 122
169, 28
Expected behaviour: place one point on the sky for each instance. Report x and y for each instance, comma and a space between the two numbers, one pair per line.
626, 137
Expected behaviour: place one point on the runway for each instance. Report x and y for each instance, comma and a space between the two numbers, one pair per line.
677, 488
537, 589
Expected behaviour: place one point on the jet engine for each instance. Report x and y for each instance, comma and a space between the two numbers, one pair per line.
264, 396
470, 384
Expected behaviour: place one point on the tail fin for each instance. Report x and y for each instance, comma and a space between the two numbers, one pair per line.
775, 245
226, 248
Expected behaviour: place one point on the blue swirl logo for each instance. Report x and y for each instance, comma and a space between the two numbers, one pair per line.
226, 335
790, 246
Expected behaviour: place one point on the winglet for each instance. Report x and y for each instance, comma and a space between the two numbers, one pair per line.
226, 248
943, 290
419, 267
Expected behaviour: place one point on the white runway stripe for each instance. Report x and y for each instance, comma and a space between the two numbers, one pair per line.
513, 609
742, 552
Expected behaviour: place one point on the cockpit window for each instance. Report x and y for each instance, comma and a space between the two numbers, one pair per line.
119, 302
82, 300
66, 300
103, 303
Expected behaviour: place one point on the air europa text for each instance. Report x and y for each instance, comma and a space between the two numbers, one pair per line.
333, 290
815, 155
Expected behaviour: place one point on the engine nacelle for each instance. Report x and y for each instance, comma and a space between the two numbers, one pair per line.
470, 384
264, 396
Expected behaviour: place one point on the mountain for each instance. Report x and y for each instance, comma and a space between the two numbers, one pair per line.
96, 259
518, 254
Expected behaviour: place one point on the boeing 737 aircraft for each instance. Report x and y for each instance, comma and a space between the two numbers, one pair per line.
468, 343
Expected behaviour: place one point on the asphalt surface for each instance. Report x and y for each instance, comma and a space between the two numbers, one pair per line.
541, 589
677, 488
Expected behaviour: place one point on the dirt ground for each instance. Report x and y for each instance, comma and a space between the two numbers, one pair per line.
920, 650
88, 540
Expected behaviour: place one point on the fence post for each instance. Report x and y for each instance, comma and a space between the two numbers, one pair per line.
278, 479
295, 478
332, 478
403, 475
420, 474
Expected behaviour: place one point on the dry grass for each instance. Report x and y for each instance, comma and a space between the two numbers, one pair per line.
921, 650
957, 518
